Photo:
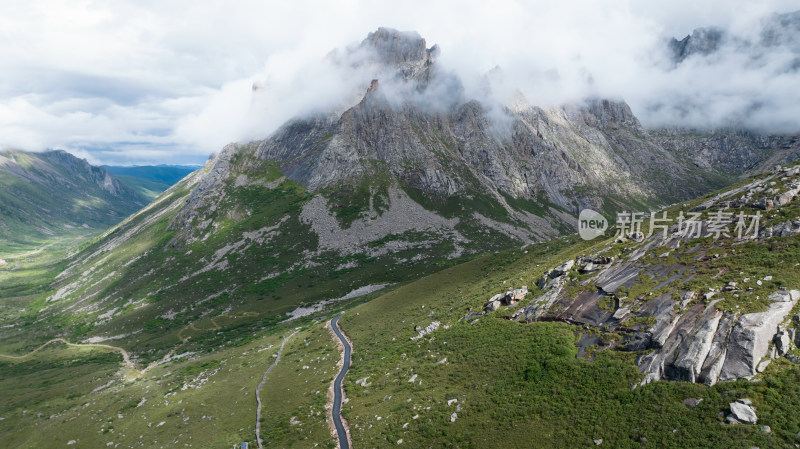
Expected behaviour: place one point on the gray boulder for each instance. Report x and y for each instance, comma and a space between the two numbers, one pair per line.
516, 295
743, 413
472, 315
703, 344
492, 305
542, 282
590, 267
562, 269
765, 204
787, 228
784, 198
690, 359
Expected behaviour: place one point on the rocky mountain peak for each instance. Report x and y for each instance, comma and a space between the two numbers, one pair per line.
776, 31
399, 47
404, 50
703, 41
607, 113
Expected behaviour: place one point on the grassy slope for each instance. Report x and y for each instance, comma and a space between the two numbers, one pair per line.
50, 399
148, 188
517, 385
131, 276
521, 385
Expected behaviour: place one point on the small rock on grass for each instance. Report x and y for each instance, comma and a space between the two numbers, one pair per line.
692, 402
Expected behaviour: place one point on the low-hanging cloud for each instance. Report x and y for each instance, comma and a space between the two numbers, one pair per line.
144, 82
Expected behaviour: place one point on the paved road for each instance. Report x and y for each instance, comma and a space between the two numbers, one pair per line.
258, 389
337, 387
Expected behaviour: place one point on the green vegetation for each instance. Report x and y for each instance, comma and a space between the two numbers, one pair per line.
66, 394
351, 202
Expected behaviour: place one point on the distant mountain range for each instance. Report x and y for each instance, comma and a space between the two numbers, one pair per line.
53, 193
150, 180
167, 174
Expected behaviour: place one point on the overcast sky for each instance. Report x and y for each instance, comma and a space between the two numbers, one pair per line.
141, 82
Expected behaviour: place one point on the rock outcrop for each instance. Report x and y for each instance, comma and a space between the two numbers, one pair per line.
508, 298
751, 335
680, 334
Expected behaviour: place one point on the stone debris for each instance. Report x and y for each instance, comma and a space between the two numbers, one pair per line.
427, 330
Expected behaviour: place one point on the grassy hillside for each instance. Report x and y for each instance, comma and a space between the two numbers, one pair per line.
495, 382
44, 196
148, 188
517, 385
521, 385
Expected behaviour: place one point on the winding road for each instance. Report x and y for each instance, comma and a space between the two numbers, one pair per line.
344, 442
258, 389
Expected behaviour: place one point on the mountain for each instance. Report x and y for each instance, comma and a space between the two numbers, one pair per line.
702, 41
150, 180
382, 192
777, 32
53, 193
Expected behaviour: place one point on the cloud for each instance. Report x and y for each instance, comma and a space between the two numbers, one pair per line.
153, 81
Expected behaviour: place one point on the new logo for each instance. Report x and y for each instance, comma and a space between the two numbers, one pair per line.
591, 224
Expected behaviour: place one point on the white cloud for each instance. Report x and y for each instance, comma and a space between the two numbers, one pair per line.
169, 81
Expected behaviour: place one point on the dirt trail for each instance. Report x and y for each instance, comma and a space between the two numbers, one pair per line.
214, 324
126, 358
263, 381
